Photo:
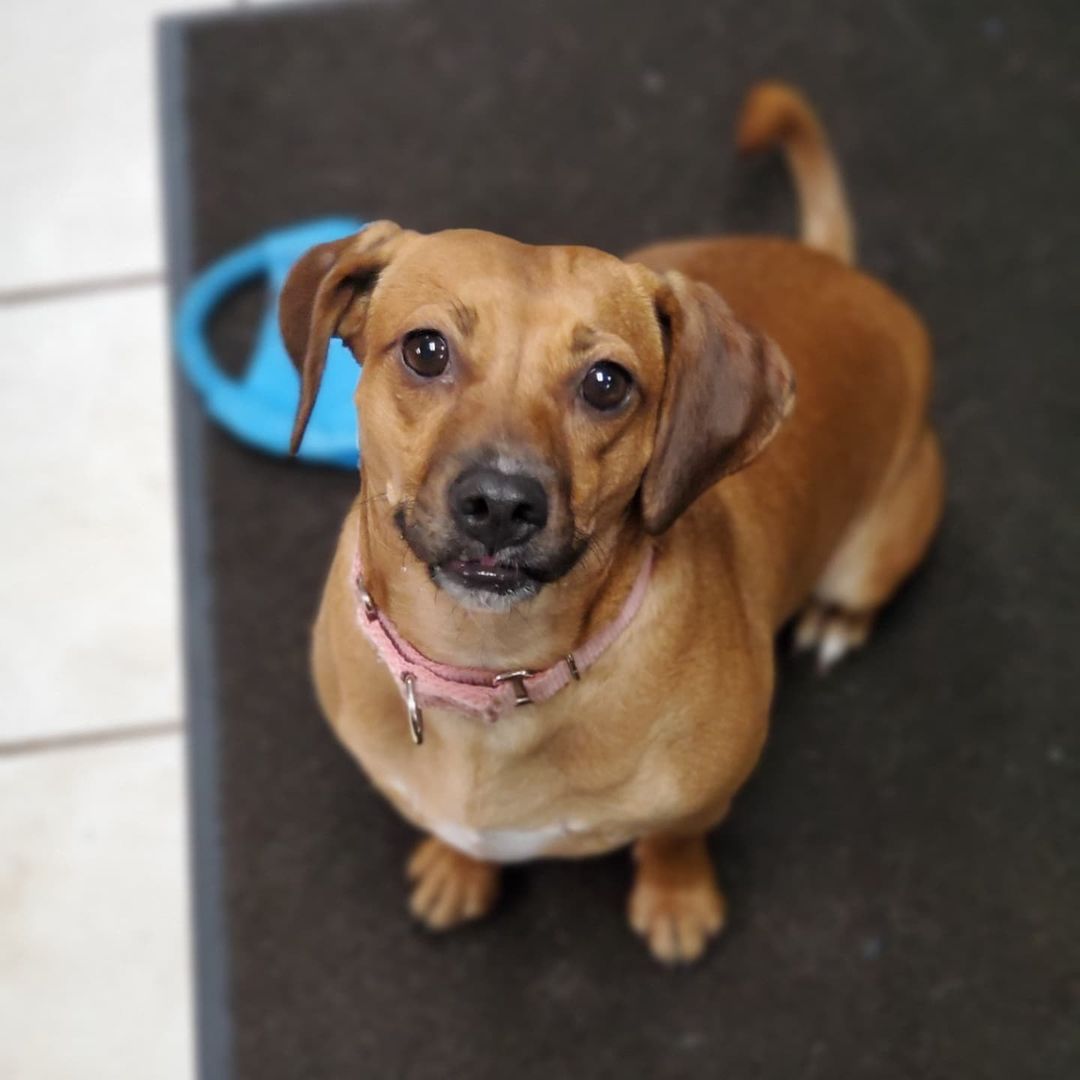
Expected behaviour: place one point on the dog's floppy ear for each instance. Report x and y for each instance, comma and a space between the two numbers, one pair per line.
326, 283
726, 392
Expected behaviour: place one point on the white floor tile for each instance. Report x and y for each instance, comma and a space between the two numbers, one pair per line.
94, 964
78, 131
88, 551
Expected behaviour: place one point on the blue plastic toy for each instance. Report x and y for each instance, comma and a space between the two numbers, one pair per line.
258, 407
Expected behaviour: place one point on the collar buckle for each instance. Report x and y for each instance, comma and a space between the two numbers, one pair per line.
517, 680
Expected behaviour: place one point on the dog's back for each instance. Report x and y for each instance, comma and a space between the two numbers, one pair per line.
862, 362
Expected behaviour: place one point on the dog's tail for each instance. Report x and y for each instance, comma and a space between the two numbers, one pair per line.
777, 114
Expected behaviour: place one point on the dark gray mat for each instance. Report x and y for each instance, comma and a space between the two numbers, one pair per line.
903, 870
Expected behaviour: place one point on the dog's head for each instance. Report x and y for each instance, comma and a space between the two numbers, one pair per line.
520, 404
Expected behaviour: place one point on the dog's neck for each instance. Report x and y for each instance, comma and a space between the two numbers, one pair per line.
532, 635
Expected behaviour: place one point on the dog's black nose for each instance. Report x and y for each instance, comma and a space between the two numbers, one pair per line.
497, 508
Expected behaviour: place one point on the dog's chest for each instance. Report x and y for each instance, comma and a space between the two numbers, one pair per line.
501, 796
541, 831
505, 845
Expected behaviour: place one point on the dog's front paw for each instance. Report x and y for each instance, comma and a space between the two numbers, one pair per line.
449, 888
675, 904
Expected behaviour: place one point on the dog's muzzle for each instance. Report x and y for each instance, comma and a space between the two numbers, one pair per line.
501, 534
495, 513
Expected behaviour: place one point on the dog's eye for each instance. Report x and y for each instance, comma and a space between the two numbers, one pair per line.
606, 386
426, 352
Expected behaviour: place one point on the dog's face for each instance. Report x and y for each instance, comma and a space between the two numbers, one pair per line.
507, 406
521, 404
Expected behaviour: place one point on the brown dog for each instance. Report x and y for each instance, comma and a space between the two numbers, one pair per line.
541, 523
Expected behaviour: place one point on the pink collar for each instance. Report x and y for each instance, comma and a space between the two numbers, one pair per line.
475, 690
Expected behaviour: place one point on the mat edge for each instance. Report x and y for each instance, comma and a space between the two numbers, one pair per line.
209, 958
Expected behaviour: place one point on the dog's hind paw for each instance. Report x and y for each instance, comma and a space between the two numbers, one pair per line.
449, 888
831, 632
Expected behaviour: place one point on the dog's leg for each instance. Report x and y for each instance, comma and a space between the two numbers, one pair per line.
877, 555
675, 903
449, 888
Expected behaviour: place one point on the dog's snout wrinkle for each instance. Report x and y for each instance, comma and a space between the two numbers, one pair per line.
497, 508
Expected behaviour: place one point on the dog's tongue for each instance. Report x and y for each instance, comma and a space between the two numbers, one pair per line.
488, 561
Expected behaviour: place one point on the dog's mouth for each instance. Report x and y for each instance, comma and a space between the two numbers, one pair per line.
481, 580
485, 583
486, 575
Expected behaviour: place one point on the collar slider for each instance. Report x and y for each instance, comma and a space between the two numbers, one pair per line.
370, 610
412, 706
517, 679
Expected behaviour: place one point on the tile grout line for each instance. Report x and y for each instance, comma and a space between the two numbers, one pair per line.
63, 289
104, 737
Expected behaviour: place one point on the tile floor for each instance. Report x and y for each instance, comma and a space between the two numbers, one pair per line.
94, 937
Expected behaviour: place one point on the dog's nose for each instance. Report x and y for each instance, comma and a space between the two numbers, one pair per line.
498, 509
